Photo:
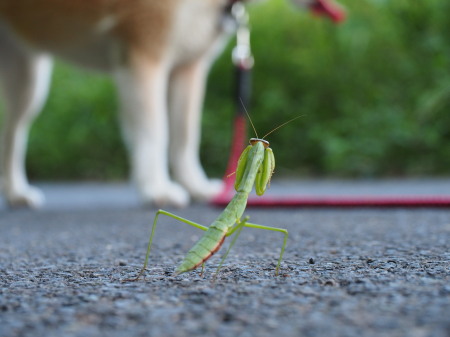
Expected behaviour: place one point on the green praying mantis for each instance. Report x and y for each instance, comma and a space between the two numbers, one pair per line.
255, 168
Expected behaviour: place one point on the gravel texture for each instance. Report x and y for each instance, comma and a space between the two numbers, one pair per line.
352, 272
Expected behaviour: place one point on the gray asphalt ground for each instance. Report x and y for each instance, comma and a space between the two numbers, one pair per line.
346, 272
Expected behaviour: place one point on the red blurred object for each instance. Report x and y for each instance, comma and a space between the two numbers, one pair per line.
328, 8
239, 139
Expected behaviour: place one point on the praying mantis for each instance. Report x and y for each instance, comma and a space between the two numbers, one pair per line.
255, 168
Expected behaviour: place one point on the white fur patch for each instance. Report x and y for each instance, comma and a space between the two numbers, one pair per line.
106, 24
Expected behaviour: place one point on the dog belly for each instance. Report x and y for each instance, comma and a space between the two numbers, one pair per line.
94, 33
102, 55
99, 33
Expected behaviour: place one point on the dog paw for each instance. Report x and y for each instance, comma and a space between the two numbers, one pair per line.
207, 190
169, 194
30, 197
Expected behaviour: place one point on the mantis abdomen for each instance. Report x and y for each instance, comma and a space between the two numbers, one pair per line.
214, 237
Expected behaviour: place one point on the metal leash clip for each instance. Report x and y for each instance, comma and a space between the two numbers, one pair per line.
242, 54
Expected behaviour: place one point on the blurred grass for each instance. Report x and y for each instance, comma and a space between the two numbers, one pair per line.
374, 92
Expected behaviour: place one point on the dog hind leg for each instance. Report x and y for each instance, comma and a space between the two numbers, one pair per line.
142, 87
24, 80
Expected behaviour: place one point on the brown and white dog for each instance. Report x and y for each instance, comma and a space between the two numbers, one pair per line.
158, 51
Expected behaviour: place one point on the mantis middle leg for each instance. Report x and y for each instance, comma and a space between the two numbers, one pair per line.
155, 220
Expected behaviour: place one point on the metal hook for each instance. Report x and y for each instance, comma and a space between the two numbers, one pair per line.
242, 55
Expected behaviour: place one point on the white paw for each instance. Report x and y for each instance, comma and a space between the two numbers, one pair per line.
169, 194
207, 190
27, 197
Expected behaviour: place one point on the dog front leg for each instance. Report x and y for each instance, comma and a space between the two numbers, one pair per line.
24, 82
187, 85
143, 92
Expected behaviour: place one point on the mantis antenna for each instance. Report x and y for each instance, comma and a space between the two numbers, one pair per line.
280, 126
276, 128
249, 118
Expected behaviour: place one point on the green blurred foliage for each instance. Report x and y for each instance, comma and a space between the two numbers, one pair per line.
77, 135
374, 93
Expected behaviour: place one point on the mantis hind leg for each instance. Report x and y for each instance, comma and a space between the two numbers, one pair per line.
238, 228
275, 229
155, 220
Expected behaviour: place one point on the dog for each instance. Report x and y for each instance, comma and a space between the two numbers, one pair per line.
158, 52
